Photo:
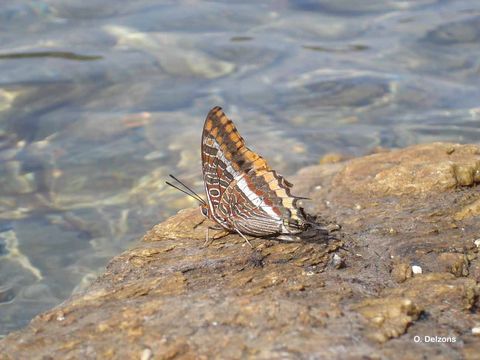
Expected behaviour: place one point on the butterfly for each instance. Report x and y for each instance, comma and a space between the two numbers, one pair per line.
244, 194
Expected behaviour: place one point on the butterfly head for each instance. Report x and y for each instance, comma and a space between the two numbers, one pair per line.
204, 210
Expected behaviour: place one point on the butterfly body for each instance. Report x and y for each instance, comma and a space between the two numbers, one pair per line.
244, 194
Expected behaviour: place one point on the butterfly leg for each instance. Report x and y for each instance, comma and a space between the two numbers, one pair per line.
206, 237
244, 237
216, 236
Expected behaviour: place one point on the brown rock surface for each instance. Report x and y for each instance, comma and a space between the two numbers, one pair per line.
170, 297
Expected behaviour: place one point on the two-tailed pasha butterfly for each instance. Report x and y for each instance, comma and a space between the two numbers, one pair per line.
244, 195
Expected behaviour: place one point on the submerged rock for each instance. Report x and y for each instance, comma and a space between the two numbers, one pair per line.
171, 297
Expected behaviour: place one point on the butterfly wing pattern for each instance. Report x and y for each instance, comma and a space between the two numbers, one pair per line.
244, 194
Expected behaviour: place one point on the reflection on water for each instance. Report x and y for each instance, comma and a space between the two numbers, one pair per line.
100, 100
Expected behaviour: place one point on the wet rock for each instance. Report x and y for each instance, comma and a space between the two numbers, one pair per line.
391, 316
331, 158
6, 294
470, 210
14, 182
6, 99
175, 54
457, 264
401, 272
455, 33
172, 297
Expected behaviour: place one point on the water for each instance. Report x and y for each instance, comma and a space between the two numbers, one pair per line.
100, 100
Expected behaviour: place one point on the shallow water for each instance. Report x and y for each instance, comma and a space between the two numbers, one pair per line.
101, 100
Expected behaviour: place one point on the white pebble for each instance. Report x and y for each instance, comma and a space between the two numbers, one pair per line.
60, 316
477, 243
476, 330
146, 354
337, 261
416, 269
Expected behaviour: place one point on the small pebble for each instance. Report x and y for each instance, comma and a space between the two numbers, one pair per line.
332, 227
60, 316
146, 354
476, 331
337, 261
477, 243
416, 269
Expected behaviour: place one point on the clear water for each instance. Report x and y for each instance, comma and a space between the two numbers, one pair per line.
100, 100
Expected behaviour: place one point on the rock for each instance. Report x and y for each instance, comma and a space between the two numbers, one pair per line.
331, 158
457, 264
390, 316
183, 57
171, 297
337, 261
401, 272
420, 169
438, 292
417, 269
471, 210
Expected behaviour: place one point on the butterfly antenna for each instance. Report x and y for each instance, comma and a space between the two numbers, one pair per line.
186, 191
